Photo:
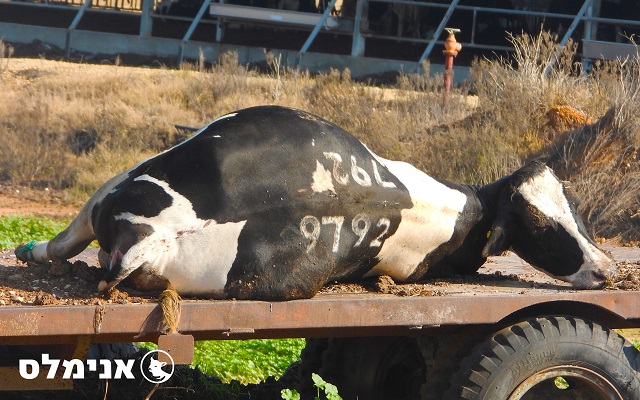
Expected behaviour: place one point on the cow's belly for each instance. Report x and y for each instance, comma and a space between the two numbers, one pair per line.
430, 223
420, 232
202, 259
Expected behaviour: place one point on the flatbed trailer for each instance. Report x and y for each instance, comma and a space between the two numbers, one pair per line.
371, 344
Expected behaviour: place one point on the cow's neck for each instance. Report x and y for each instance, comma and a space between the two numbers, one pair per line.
463, 255
489, 197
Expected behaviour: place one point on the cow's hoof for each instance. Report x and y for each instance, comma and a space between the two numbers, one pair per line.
103, 286
24, 252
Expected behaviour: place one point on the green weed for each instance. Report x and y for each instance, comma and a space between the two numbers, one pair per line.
18, 229
245, 361
330, 391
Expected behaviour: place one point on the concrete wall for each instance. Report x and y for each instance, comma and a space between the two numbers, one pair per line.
112, 43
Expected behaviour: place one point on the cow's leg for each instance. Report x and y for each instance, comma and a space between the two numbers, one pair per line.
68, 243
75, 238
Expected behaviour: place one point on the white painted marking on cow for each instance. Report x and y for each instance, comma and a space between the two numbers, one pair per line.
310, 228
384, 223
337, 221
360, 226
322, 180
194, 263
378, 178
545, 192
361, 176
428, 224
339, 174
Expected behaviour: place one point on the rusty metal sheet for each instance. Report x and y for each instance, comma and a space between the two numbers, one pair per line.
179, 347
329, 314
354, 313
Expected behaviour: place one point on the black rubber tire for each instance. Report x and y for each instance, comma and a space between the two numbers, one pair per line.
360, 366
517, 354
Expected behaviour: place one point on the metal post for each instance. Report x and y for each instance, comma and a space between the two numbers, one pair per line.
591, 27
192, 28
146, 22
358, 44
219, 27
438, 32
74, 24
567, 35
315, 31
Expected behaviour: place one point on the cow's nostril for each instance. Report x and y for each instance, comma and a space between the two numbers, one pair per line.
599, 275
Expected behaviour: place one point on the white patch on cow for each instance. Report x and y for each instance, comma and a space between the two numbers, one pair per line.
217, 136
195, 255
545, 192
428, 224
313, 143
322, 179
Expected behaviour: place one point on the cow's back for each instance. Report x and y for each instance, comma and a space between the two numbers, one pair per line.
308, 195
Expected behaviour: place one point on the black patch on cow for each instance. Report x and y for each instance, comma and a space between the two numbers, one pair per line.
267, 158
546, 244
141, 198
258, 166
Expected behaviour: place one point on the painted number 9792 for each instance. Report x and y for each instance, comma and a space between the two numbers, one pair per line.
311, 227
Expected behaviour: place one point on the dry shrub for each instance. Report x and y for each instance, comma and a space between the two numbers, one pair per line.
602, 161
123, 115
6, 51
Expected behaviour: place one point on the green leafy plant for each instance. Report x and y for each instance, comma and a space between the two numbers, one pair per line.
288, 394
17, 229
330, 390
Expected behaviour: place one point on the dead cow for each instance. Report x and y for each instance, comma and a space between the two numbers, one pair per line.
272, 203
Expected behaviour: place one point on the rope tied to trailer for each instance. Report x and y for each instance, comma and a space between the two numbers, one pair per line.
24, 248
170, 305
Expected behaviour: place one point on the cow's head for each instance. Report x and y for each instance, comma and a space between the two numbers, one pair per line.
538, 220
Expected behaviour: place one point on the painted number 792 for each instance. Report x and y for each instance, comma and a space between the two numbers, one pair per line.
311, 227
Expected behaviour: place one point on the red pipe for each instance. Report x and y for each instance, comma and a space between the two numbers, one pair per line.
451, 49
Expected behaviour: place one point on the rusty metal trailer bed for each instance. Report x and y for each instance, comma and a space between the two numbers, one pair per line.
451, 310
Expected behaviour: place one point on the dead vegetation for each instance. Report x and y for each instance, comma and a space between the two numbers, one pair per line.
72, 126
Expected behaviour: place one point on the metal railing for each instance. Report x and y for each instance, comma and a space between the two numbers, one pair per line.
361, 30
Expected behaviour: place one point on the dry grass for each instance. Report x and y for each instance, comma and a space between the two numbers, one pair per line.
74, 126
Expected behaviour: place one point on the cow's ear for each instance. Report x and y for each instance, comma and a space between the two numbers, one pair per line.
499, 237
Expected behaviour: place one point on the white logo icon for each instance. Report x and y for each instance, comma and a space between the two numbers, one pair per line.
154, 372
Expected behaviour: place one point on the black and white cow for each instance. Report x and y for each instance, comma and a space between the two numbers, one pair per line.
272, 203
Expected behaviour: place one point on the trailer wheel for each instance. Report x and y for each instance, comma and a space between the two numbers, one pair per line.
375, 368
550, 358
